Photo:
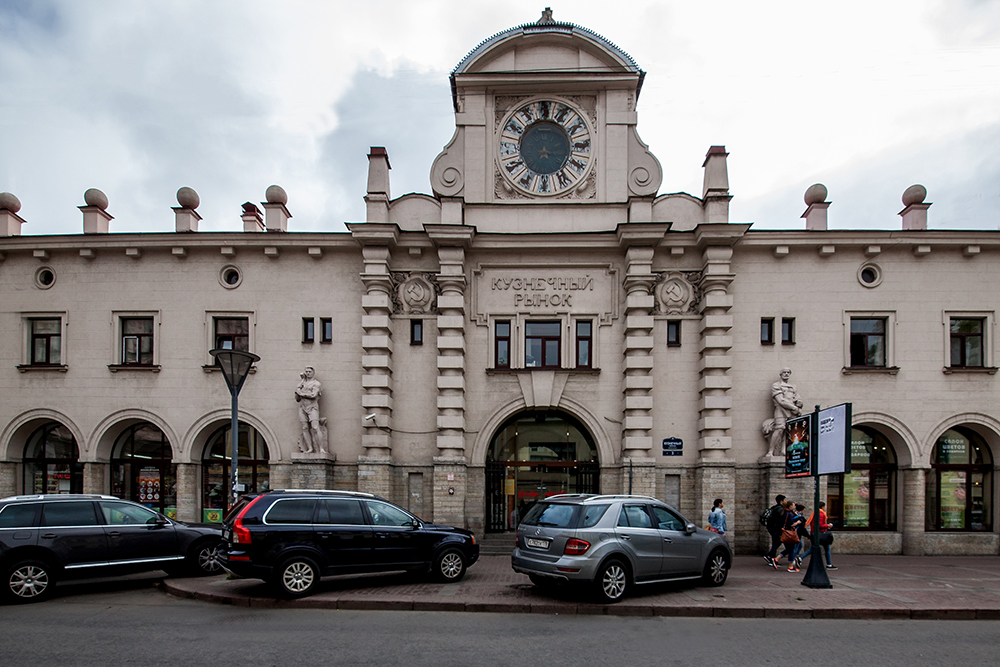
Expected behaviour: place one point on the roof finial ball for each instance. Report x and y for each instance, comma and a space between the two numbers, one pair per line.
9, 202
276, 195
915, 194
815, 194
96, 198
188, 198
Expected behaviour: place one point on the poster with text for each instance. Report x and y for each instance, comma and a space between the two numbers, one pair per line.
953, 499
833, 454
798, 450
857, 494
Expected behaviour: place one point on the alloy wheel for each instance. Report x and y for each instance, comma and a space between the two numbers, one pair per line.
208, 559
29, 581
613, 581
297, 577
451, 565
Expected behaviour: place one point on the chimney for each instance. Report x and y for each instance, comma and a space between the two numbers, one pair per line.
378, 196
186, 218
10, 221
915, 212
715, 194
275, 212
252, 221
95, 213
816, 206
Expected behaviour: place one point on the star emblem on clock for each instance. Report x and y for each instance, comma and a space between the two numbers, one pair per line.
545, 147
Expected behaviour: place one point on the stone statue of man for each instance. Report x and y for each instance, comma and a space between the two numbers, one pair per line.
787, 404
307, 396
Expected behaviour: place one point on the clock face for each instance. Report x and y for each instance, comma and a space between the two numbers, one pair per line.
545, 148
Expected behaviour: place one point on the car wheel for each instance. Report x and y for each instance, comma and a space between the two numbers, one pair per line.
204, 559
716, 569
28, 581
449, 566
612, 581
297, 577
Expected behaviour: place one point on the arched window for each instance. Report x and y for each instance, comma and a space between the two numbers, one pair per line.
142, 470
960, 483
254, 471
865, 498
52, 461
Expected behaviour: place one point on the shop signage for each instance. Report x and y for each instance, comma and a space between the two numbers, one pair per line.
673, 447
531, 288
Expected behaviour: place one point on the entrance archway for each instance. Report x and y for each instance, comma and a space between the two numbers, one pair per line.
536, 454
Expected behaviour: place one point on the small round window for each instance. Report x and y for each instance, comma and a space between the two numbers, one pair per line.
869, 275
230, 277
45, 277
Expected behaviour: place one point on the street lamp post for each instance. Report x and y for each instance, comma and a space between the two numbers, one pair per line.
235, 366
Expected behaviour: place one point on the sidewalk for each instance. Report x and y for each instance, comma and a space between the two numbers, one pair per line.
864, 587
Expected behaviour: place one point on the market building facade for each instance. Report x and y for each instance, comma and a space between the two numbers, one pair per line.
543, 322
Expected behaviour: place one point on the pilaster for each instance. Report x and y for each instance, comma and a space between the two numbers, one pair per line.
95, 478
450, 487
639, 301
8, 479
717, 479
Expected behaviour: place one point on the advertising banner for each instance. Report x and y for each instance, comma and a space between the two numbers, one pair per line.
798, 447
833, 454
953, 499
857, 490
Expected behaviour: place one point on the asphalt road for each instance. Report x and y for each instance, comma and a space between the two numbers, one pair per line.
133, 623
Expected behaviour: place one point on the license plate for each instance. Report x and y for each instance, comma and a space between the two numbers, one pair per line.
538, 544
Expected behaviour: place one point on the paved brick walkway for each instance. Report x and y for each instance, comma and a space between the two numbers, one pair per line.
863, 587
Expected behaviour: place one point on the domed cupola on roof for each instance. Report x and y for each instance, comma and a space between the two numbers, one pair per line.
545, 113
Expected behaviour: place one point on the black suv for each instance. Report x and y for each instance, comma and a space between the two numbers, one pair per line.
44, 538
291, 538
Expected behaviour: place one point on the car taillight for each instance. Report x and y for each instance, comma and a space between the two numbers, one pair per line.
575, 547
241, 534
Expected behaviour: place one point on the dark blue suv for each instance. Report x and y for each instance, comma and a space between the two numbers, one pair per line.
291, 538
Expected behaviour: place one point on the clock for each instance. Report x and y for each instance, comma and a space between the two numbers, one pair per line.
544, 148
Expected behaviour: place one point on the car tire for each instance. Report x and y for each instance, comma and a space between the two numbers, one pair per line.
716, 569
28, 581
203, 560
449, 566
612, 581
296, 577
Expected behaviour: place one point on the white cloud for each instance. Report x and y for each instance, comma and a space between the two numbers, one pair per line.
228, 97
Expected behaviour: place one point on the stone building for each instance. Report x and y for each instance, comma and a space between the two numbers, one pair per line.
543, 322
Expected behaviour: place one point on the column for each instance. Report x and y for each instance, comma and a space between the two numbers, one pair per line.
914, 510
188, 497
94, 480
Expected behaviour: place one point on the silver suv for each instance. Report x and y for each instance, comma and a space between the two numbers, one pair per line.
614, 542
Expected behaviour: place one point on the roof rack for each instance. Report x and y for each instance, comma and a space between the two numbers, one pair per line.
60, 496
622, 496
337, 491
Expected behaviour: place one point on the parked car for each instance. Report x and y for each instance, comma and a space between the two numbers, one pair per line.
292, 538
45, 538
611, 543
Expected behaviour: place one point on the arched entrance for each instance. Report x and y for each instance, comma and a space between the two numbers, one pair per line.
52, 461
254, 468
536, 454
142, 469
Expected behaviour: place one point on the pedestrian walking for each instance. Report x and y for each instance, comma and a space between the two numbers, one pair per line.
771, 519
717, 518
789, 535
803, 530
825, 536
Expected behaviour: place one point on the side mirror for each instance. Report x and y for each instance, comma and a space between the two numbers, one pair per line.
690, 528
415, 523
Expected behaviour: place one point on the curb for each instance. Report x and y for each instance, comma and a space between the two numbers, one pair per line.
845, 613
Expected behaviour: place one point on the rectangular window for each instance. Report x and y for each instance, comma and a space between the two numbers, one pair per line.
673, 333
788, 331
416, 332
501, 352
326, 324
541, 344
137, 341
308, 329
868, 342
767, 331
45, 342
584, 343
232, 333
967, 343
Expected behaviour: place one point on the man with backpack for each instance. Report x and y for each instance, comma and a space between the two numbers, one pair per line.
772, 518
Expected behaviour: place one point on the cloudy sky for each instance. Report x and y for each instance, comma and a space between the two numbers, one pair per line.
138, 98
